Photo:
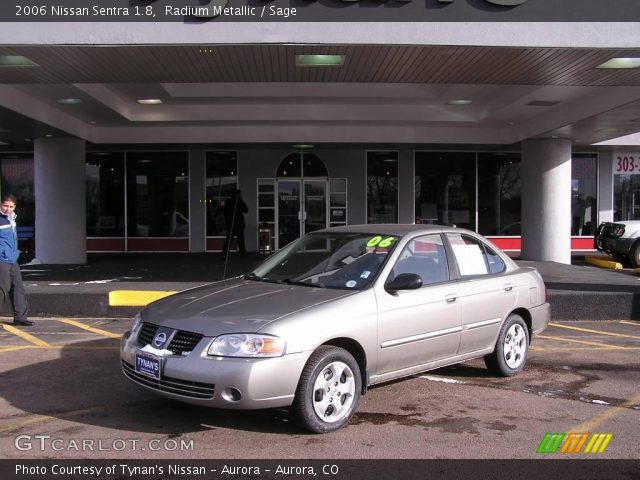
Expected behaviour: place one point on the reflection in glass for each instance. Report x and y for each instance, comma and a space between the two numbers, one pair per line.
221, 182
584, 188
382, 187
104, 173
499, 194
16, 171
445, 188
158, 194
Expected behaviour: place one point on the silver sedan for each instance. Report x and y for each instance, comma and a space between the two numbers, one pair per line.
335, 312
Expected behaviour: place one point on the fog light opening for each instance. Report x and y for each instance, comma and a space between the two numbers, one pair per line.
231, 394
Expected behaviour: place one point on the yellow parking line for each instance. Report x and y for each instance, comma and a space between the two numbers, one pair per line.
599, 332
595, 344
89, 328
25, 336
566, 349
635, 324
13, 348
613, 410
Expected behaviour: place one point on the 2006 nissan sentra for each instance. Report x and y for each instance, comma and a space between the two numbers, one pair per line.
335, 312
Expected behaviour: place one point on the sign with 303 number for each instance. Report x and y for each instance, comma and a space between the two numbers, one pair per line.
626, 163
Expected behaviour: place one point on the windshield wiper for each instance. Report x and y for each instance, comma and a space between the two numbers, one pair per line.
253, 276
289, 281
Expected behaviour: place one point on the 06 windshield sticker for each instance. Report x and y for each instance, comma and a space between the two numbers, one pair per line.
379, 241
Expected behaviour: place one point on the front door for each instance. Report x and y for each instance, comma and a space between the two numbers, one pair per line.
302, 208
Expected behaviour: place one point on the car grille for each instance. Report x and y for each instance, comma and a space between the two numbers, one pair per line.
182, 341
186, 388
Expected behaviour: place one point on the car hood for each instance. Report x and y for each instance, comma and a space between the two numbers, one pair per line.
235, 306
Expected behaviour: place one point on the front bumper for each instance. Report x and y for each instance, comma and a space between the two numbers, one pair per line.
220, 382
618, 246
540, 318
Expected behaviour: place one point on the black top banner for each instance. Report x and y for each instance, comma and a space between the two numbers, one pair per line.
198, 11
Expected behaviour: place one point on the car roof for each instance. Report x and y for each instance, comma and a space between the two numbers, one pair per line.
395, 229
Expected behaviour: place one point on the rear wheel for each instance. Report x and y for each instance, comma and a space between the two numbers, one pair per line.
512, 346
328, 391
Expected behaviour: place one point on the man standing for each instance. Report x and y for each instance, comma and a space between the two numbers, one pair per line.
11, 288
234, 210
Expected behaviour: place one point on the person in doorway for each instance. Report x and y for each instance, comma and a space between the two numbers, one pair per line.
234, 210
11, 287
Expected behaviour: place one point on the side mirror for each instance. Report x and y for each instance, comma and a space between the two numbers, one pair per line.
405, 281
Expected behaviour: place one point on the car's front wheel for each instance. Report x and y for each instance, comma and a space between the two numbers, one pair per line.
634, 255
511, 350
328, 391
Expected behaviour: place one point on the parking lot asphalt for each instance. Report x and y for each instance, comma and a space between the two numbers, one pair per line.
63, 396
576, 292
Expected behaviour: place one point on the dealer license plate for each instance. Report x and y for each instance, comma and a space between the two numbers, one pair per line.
148, 365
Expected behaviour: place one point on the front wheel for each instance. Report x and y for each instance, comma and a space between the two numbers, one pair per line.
634, 255
512, 346
328, 391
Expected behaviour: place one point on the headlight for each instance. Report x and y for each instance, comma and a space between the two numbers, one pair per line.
246, 345
137, 320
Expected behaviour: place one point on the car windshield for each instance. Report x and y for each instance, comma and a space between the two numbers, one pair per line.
343, 260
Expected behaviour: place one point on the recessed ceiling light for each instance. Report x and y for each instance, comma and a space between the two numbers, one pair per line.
459, 101
16, 61
319, 60
149, 101
302, 146
92, 122
27, 139
3, 143
48, 135
69, 101
621, 62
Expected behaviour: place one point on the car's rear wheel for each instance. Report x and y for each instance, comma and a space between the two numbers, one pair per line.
634, 255
510, 354
328, 391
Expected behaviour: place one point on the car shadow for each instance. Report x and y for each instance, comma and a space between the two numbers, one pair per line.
85, 384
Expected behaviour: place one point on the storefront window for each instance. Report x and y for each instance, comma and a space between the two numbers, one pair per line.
158, 194
499, 194
445, 188
222, 181
626, 194
584, 184
382, 187
16, 172
105, 194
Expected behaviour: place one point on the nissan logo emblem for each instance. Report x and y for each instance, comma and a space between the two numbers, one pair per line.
159, 339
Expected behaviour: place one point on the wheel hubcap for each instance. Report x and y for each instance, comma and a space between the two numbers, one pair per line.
515, 346
333, 392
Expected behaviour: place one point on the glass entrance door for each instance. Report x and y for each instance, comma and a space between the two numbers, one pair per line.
314, 209
302, 208
289, 217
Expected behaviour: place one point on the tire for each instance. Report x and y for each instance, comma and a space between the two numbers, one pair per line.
634, 255
510, 354
328, 391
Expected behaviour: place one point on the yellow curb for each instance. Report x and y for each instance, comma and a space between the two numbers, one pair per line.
136, 298
603, 262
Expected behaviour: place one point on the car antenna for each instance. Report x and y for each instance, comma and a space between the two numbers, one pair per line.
230, 236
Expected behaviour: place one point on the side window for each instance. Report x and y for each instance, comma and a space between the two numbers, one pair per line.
424, 256
473, 257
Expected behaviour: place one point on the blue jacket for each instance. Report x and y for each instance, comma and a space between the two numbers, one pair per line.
9, 252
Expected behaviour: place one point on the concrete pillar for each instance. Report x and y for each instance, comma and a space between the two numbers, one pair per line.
546, 200
197, 199
59, 183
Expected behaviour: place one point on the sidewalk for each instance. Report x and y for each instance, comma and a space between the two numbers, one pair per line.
576, 292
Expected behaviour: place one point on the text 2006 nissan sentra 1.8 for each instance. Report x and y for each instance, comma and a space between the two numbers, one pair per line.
334, 312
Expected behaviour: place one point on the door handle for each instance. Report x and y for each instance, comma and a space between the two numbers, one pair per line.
450, 298
508, 287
